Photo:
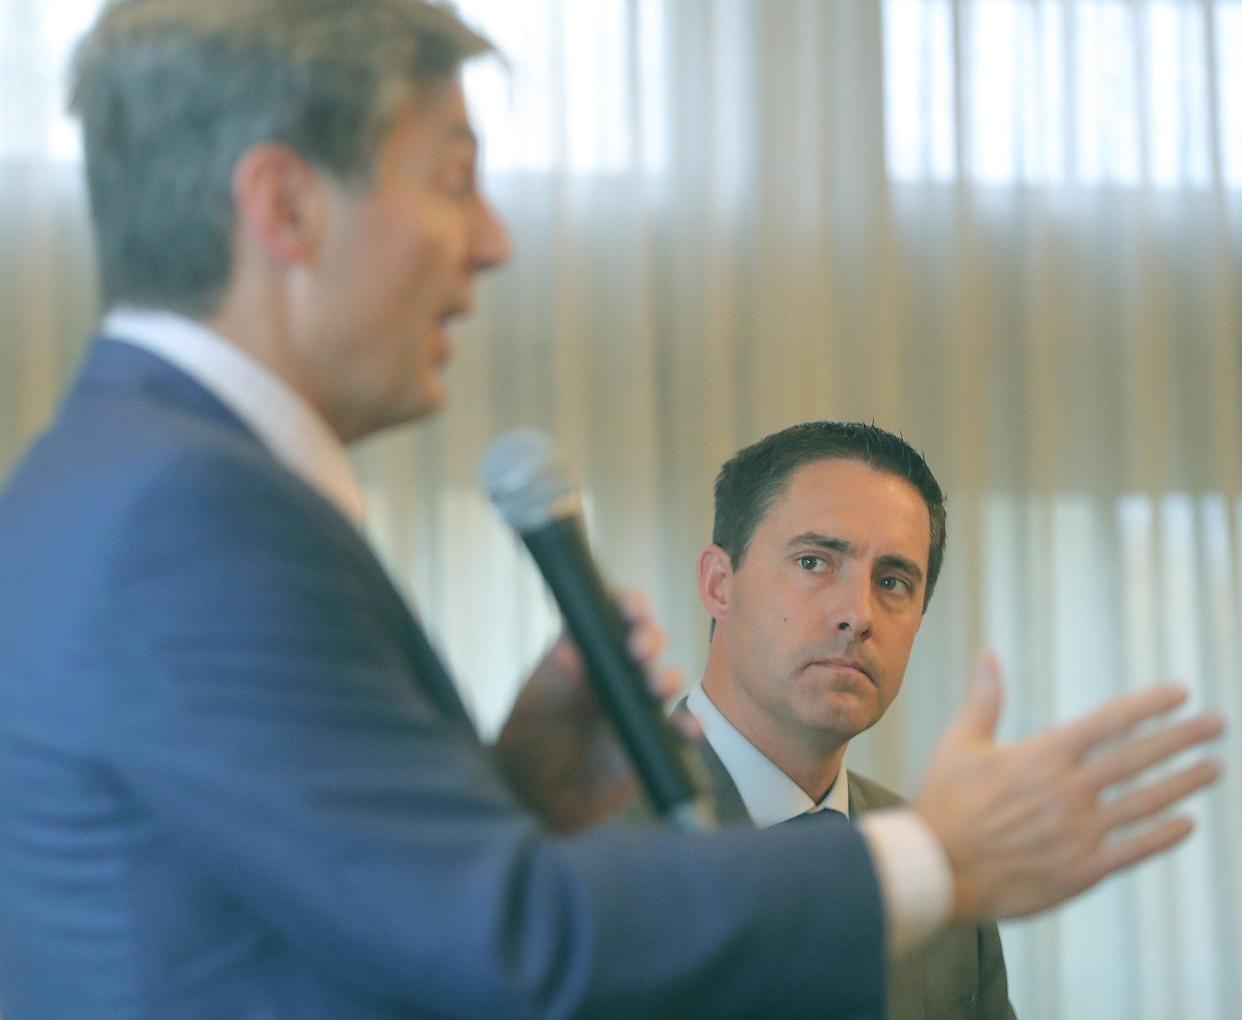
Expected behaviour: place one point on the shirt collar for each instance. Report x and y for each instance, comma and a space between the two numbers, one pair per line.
770, 796
283, 421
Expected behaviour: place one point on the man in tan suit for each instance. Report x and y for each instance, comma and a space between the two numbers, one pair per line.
827, 542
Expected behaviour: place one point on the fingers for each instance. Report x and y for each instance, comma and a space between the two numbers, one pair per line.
634, 605
1141, 804
981, 709
646, 642
1120, 716
646, 639
1131, 758
665, 683
1126, 853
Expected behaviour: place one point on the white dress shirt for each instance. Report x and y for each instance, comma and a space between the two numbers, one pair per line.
914, 874
284, 422
770, 796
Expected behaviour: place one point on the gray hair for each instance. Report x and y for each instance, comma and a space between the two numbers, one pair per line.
171, 94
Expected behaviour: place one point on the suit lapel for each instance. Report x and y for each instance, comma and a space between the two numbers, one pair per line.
730, 808
115, 364
120, 366
431, 673
907, 976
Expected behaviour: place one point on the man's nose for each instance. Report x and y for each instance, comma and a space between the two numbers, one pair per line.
490, 239
851, 607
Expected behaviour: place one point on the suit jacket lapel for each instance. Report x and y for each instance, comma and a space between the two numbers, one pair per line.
858, 798
431, 673
730, 808
907, 976
112, 363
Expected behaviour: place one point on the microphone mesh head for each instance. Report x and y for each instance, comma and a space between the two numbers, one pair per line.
526, 480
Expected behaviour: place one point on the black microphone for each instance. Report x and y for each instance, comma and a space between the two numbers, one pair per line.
525, 480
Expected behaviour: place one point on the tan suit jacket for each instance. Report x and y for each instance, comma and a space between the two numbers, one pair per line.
958, 974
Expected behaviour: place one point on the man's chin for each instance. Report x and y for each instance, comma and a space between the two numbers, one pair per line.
821, 681
427, 400
418, 406
842, 715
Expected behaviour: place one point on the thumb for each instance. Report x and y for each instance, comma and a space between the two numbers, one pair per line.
981, 710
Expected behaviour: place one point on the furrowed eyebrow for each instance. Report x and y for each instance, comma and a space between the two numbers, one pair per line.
822, 541
818, 540
906, 566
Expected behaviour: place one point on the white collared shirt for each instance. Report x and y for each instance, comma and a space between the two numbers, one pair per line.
770, 796
913, 872
281, 418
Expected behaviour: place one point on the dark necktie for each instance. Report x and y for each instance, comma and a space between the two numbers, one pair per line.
826, 816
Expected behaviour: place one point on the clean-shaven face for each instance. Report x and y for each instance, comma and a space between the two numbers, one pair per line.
398, 261
823, 610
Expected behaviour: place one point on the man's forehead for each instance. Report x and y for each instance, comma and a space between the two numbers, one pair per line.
441, 105
811, 476
430, 124
844, 486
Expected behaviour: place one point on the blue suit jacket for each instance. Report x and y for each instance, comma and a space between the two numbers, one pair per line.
235, 780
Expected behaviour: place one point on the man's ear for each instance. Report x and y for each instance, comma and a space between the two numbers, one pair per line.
280, 201
715, 580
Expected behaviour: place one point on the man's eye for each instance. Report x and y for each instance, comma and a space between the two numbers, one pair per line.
898, 584
809, 562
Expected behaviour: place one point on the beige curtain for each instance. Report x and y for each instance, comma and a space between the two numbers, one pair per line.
1009, 229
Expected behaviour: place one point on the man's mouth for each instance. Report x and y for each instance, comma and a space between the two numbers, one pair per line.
455, 311
442, 324
838, 662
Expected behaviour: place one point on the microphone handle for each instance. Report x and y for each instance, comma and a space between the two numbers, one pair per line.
560, 550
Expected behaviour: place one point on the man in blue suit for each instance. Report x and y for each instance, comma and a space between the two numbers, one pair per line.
235, 780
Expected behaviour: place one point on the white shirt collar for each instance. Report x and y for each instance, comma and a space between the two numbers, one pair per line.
283, 421
770, 796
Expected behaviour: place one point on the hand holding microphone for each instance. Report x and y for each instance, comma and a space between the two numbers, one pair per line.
525, 480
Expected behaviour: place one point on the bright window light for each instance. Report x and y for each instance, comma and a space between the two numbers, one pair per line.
918, 72
36, 45
584, 90
1094, 92
1229, 88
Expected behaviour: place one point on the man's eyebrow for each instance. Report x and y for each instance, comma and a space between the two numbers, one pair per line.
889, 561
463, 132
894, 562
819, 540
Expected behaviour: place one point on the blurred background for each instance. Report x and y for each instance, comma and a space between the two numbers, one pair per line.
1009, 229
